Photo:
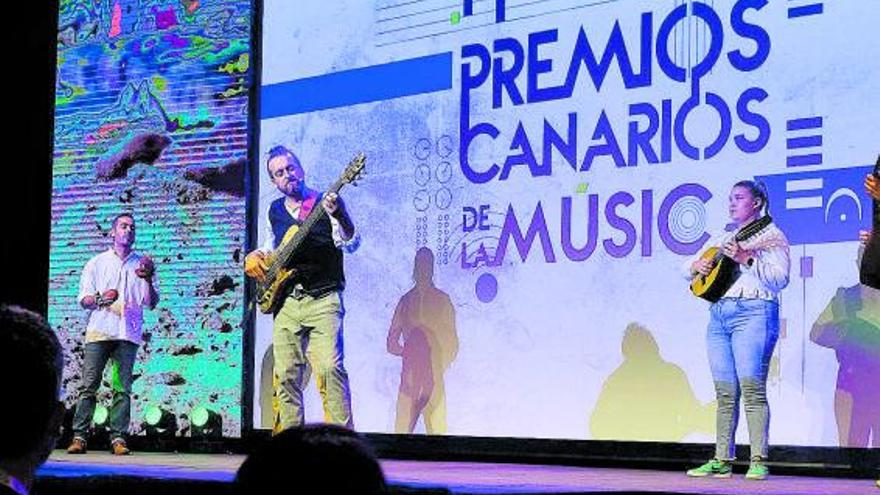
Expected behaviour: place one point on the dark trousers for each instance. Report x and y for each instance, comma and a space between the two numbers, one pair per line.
95, 359
870, 269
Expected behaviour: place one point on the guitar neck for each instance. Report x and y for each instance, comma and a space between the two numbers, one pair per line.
287, 248
752, 229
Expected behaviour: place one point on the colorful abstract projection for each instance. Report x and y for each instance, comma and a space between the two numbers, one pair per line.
151, 118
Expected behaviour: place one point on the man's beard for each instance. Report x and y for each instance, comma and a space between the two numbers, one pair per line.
296, 190
125, 241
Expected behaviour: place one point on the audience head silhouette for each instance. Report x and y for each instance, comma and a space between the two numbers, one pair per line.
31, 365
317, 458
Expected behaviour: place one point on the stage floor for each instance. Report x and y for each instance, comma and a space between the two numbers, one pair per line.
462, 477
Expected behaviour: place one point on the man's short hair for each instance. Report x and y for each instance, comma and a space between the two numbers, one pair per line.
279, 150
327, 458
31, 364
121, 215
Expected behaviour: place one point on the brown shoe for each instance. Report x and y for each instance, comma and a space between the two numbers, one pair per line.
119, 448
77, 446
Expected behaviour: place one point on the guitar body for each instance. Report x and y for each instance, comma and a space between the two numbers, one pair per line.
271, 293
269, 296
712, 286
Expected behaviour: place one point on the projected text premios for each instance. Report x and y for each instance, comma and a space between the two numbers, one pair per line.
520, 82
512, 70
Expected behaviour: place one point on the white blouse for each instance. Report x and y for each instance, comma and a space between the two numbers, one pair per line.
769, 273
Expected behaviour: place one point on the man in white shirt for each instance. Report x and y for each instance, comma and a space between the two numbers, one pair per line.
115, 286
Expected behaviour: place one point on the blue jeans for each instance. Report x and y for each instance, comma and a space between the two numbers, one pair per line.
740, 339
94, 361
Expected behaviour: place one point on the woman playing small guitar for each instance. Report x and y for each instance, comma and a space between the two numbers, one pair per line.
744, 325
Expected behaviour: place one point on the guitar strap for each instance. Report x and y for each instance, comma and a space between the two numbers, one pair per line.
307, 205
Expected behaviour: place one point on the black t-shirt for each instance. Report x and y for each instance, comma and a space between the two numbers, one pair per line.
869, 272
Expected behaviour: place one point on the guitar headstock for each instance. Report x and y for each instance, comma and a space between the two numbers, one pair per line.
355, 168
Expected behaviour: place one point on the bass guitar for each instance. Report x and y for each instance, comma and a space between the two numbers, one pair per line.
271, 290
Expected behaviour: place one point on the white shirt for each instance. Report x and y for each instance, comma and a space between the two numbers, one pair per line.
348, 245
769, 273
124, 319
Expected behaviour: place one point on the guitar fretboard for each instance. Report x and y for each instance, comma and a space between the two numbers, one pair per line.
286, 250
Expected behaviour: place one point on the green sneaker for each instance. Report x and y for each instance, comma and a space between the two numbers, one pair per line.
757, 470
715, 468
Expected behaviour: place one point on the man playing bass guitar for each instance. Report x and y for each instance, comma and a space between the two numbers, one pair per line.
307, 330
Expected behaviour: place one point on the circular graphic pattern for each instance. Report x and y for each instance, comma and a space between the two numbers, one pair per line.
687, 219
422, 200
423, 174
486, 288
443, 172
422, 148
443, 198
444, 146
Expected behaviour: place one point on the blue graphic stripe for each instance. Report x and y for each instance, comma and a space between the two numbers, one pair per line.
822, 206
806, 123
803, 160
375, 83
806, 10
803, 142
